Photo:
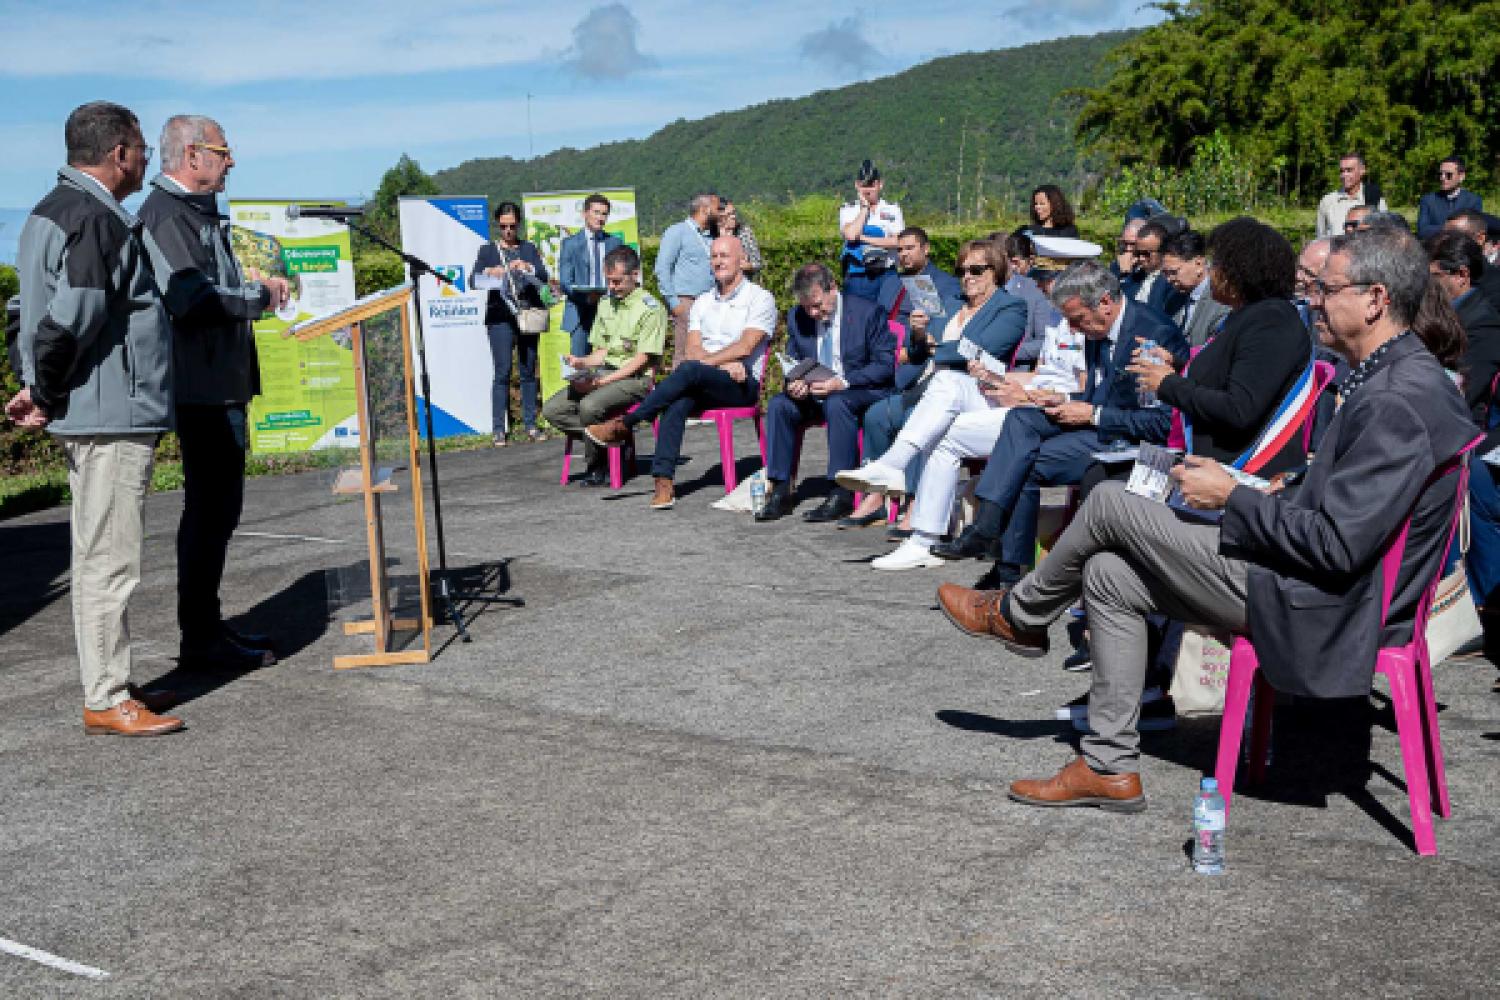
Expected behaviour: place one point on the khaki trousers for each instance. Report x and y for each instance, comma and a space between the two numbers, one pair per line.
109, 476
571, 413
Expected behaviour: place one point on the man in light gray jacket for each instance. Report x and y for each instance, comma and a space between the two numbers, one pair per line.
96, 363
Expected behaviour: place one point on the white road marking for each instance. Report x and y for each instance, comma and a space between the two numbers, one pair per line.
292, 538
47, 958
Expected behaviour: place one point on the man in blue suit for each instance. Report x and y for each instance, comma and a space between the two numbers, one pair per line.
1053, 446
580, 271
850, 336
1152, 288
1437, 207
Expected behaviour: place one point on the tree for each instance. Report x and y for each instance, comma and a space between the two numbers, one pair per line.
406, 178
1292, 84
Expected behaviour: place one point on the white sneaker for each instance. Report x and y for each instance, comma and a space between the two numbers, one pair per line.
873, 478
908, 555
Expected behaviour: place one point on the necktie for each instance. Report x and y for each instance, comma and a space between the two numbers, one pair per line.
594, 269
825, 346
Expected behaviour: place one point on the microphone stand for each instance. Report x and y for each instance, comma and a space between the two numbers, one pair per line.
449, 592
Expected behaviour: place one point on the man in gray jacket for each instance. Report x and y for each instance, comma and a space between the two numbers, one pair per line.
96, 363
215, 375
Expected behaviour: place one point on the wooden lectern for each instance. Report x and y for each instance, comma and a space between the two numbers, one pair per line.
370, 480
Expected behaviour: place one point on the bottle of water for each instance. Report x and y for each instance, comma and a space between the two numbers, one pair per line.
758, 492
1144, 397
1208, 829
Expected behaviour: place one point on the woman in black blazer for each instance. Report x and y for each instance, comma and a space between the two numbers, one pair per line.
519, 264
1234, 385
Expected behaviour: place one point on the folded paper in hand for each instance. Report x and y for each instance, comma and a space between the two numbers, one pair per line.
1149, 476
924, 295
807, 370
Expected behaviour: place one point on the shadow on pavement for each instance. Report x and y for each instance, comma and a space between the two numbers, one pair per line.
44, 550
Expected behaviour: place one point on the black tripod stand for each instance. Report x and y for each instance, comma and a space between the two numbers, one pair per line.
453, 596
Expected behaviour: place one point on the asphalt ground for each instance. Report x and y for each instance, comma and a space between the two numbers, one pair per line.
706, 758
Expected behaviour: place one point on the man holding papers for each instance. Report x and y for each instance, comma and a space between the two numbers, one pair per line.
854, 355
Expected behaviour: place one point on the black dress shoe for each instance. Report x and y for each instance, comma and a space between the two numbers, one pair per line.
840, 504
874, 517
594, 477
970, 544
223, 654
249, 640
778, 503
1000, 575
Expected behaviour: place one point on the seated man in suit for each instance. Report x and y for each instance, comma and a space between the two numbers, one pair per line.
1185, 267
1154, 289
580, 271
1297, 569
848, 335
1054, 445
720, 365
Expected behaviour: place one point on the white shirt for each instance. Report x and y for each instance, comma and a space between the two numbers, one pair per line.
828, 338
885, 216
1061, 365
100, 185
1334, 208
721, 321
1143, 293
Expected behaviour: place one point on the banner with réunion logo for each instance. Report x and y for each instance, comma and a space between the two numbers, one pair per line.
447, 233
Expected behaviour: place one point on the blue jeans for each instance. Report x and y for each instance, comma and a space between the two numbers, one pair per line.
505, 338
691, 387
1484, 535
883, 421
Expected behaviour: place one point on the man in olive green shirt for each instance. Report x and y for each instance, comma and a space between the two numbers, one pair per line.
628, 338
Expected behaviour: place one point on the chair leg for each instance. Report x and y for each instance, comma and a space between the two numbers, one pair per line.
760, 435
1260, 728
1409, 730
726, 452
1242, 671
1433, 738
616, 473
567, 459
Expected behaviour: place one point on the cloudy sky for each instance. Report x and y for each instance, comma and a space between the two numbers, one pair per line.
319, 99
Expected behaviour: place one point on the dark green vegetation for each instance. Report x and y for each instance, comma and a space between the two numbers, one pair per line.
967, 135
1292, 84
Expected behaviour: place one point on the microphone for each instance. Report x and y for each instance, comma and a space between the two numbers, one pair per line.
338, 213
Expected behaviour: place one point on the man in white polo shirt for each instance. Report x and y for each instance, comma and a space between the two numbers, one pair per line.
719, 365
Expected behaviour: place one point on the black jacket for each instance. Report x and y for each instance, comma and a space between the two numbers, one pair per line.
1315, 580
495, 308
211, 304
1482, 356
1235, 383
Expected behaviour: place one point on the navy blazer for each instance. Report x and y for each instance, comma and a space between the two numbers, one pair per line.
1315, 581
999, 327
866, 345
573, 269
529, 286
1114, 390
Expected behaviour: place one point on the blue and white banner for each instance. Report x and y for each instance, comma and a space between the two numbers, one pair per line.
447, 233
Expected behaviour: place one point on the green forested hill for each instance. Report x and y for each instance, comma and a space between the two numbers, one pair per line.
997, 113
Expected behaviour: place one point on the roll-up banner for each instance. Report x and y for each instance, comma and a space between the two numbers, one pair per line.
447, 233
307, 397
550, 217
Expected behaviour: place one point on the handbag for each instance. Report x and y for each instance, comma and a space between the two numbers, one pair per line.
1453, 621
529, 319
1201, 674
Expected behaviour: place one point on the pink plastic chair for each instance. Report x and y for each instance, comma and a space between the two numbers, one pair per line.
724, 420
617, 456
1408, 668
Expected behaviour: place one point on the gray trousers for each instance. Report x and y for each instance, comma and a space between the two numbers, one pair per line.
1129, 557
571, 413
109, 476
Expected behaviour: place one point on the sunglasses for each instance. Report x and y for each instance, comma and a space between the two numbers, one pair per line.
975, 269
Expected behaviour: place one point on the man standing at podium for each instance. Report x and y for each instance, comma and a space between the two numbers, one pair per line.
215, 374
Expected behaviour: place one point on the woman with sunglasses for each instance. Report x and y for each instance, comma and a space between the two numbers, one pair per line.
903, 428
518, 265
727, 222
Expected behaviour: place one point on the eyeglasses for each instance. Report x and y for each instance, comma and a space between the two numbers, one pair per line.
974, 269
1325, 290
146, 151
223, 151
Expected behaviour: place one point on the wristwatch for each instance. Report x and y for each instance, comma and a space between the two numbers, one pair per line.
1094, 419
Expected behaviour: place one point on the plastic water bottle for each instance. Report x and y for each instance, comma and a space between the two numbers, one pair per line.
757, 492
1208, 829
1144, 397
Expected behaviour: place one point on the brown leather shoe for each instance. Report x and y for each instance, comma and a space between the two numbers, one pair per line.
611, 431
664, 497
978, 612
1077, 784
156, 701
128, 718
